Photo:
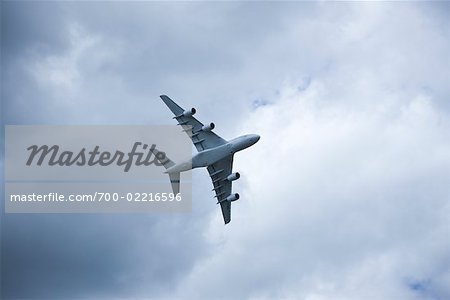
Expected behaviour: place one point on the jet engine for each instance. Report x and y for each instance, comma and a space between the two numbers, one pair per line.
233, 176
233, 197
189, 113
208, 127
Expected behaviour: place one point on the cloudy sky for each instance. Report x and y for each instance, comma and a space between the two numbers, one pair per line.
346, 195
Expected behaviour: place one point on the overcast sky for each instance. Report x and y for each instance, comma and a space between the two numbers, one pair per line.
346, 195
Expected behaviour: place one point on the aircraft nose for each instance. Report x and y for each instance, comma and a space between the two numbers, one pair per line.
256, 137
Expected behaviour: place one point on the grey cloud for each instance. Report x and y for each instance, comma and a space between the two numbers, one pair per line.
355, 94
26, 25
351, 211
95, 256
153, 48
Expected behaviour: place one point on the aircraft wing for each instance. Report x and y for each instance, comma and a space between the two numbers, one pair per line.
219, 171
202, 139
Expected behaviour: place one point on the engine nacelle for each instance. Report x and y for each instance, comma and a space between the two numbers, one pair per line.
233, 176
208, 127
189, 113
233, 197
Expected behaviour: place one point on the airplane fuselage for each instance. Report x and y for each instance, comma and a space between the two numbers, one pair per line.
214, 152
210, 156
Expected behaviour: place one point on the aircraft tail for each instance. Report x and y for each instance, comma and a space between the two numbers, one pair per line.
167, 163
175, 182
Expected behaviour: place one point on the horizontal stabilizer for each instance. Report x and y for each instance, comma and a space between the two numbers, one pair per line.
175, 182
167, 163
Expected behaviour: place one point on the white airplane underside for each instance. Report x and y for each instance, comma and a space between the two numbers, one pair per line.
214, 153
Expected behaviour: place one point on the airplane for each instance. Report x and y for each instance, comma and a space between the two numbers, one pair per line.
214, 153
